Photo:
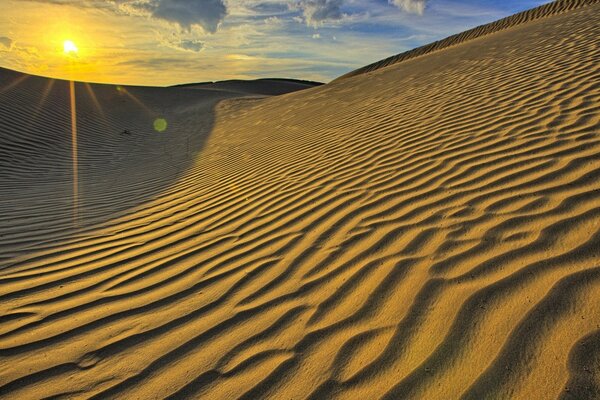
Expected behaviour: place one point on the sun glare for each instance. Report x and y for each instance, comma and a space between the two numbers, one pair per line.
69, 47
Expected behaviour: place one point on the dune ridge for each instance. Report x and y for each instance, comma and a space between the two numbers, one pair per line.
270, 87
546, 10
430, 230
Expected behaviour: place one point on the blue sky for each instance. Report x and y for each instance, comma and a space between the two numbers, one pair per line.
163, 42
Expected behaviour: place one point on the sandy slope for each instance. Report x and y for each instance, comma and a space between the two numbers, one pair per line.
429, 230
528, 16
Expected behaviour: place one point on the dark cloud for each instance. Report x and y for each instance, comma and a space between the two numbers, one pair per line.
166, 63
205, 13
6, 42
410, 6
269, 8
191, 45
317, 11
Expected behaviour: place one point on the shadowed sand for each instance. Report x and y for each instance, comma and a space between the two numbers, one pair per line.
428, 230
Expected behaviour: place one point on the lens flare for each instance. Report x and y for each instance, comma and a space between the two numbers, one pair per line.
160, 125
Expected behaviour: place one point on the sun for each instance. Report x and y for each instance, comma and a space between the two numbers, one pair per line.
69, 47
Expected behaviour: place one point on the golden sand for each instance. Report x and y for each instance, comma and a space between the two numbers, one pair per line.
425, 230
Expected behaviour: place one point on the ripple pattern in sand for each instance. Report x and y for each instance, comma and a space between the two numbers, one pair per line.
429, 230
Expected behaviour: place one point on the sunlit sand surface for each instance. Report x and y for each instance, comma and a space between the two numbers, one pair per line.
426, 228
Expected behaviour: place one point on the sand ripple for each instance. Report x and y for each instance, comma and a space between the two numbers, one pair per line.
430, 230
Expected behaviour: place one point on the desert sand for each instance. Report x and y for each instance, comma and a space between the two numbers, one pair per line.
425, 228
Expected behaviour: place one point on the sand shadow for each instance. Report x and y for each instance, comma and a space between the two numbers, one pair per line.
584, 363
133, 143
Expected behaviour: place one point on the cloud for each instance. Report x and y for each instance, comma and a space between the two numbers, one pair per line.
85, 4
191, 45
6, 42
175, 40
410, 6
266, 8
155, 64
205, 13
25, 52
317, 11
273, 21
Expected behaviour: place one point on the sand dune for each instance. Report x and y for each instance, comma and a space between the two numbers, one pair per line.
122, 160
429, 230
528, 16
270, 87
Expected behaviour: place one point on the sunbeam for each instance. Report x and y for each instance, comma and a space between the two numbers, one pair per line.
126, 92
92, 95
36, 112
44, 96
74, 153
15, 83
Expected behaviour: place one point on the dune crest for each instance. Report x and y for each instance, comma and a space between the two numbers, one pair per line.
544, 11
430, 230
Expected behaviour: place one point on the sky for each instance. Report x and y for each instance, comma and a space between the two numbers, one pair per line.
167, 42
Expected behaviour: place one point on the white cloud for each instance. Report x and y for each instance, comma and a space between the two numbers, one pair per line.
410, 6
317, 11
273, 21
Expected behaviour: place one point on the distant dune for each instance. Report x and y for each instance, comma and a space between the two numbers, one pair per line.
270, 87
428, 230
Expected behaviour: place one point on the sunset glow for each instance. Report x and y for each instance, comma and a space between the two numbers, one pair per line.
133, 42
